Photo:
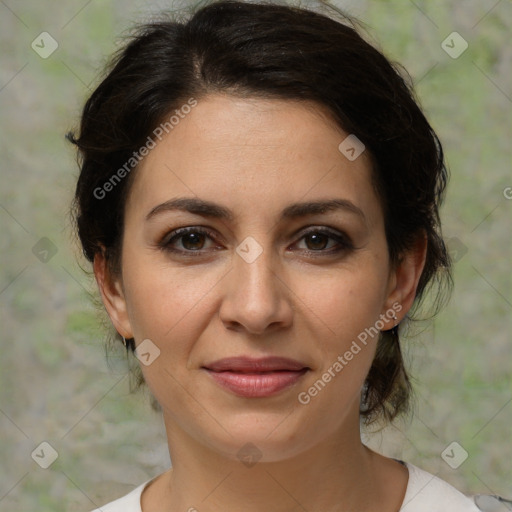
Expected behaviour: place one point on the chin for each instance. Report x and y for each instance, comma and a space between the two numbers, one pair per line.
261, 437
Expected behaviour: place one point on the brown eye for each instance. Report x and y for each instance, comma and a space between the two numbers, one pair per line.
186, 241
192, 241
318, 240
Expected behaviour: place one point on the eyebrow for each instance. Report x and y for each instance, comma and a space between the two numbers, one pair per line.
214, 210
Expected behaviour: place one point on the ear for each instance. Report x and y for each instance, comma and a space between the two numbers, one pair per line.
404, 278
112, 294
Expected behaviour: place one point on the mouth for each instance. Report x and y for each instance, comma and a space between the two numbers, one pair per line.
256, 378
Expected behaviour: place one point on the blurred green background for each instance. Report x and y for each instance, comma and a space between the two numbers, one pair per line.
55, 383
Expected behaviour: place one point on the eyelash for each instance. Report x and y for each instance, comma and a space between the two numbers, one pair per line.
343, 241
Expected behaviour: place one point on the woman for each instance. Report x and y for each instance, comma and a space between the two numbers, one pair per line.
259, 196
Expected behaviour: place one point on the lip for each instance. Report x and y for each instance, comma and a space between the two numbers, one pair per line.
256, 378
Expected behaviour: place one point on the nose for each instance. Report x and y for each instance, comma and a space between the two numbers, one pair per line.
256, 297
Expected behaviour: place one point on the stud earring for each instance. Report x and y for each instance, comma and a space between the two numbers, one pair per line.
394, 330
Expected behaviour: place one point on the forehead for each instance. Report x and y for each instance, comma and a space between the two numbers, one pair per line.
252, 154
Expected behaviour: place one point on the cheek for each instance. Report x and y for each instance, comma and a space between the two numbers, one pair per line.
343, 309
347, 311
172, 308
344, 301
167, 304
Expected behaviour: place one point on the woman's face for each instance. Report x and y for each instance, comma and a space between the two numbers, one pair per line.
257, 276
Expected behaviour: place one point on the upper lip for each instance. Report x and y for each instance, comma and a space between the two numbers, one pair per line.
249, 364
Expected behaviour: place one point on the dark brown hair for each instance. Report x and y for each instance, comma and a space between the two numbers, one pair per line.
263, 50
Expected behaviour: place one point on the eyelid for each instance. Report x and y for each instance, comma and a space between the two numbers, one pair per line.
340, 237
180, 232
344, 240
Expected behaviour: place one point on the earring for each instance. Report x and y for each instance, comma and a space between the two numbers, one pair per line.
129, 344
394, 330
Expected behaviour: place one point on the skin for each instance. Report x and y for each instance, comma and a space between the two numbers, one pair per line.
256, 157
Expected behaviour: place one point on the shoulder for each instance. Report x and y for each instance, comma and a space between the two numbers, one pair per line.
428, 493
128, 503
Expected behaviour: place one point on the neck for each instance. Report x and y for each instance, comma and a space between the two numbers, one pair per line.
339, 474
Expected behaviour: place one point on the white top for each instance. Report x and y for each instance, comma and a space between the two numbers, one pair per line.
425, 493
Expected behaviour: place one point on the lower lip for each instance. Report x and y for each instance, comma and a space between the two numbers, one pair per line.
257, 385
